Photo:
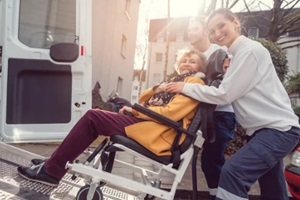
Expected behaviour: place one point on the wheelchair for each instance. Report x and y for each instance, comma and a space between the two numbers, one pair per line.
97, 170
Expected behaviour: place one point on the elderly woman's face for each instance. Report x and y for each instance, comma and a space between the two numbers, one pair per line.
190, 63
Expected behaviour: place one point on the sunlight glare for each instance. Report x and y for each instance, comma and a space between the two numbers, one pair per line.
184, 8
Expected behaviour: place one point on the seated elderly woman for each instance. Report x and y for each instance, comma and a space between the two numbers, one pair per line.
190, 65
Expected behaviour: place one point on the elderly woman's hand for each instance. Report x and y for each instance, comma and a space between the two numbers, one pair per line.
175, 87
125, 110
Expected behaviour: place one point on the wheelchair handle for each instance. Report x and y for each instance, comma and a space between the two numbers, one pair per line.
164, 120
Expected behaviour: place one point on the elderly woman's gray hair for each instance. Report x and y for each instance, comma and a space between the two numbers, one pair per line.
188, 52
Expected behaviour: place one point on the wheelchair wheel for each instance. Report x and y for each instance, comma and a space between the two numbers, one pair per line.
83, 192
149, 197
156, 184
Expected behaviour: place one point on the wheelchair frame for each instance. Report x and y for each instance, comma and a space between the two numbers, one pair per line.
200, 129
149, 186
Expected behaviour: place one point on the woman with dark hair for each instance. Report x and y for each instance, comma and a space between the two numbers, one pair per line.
262, 107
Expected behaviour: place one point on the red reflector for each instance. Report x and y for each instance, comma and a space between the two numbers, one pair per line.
82, 50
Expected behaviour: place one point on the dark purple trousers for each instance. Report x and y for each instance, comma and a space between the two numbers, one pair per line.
94, 123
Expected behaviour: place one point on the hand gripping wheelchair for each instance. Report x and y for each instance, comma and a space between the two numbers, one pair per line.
97, 169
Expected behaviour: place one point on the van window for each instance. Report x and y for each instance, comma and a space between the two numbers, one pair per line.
47, 22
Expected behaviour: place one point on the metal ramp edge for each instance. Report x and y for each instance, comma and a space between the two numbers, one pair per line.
14, 187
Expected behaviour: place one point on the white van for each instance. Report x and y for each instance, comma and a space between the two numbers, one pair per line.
46, 67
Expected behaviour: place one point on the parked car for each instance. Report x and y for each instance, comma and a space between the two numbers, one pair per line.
292, 171
292, 174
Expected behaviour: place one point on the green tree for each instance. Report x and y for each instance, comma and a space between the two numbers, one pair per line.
292, 84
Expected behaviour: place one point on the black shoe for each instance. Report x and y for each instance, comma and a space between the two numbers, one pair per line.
38, 161
36, 173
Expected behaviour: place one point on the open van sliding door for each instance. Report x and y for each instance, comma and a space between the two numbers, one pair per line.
46, 68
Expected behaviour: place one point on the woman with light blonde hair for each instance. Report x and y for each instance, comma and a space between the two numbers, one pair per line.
152, 135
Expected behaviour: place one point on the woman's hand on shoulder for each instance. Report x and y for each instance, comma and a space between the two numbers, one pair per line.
160, 88
175, 87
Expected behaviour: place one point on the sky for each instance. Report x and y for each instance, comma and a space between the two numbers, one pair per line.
179, 8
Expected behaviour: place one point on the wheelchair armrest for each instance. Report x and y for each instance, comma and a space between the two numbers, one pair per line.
162, 119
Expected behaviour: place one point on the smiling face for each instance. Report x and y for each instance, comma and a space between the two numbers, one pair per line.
222, 29
196, 32
190, 63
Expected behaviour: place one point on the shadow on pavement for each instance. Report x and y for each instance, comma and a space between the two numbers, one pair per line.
204, 195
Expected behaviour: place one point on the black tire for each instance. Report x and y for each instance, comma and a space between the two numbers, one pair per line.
156, 184
83, 192
149, 197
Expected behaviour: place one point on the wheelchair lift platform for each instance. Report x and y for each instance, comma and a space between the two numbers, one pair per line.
14, 187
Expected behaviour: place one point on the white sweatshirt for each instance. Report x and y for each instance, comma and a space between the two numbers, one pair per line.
253, 87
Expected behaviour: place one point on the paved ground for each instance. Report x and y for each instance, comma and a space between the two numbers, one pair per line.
184, 189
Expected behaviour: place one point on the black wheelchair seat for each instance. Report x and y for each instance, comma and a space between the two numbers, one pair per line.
135, 146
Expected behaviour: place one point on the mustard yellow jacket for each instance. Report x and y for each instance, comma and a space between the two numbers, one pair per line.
156, 137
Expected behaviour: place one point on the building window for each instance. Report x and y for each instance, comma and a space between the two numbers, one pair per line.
127, 8
134, 98
123, 46
135, 87
158, 57
156, 78
253, 31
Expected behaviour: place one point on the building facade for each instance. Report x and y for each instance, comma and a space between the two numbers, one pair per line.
113, 49
158, 30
